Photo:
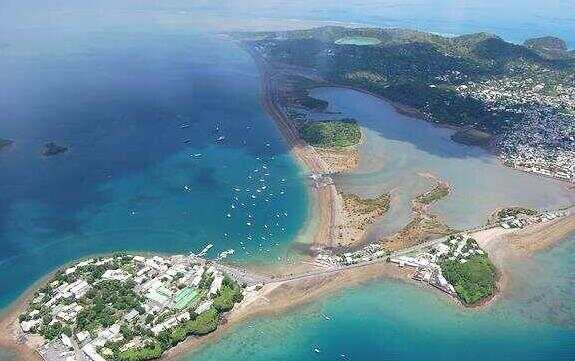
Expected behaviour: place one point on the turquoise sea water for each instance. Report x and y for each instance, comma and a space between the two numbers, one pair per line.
141, 110
116, 80
389, 320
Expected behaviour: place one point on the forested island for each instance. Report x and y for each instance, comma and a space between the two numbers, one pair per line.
331, 133
518, 100
51, 149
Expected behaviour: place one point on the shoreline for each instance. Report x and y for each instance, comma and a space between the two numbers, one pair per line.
286, 295
325, 197
289, 295
416, 114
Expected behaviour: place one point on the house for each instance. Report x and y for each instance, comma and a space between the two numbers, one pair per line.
216, 284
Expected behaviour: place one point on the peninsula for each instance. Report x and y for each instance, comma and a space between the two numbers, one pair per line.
135, 307
126, 307
517, 100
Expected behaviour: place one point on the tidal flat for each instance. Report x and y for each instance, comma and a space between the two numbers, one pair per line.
533, 320
396, 149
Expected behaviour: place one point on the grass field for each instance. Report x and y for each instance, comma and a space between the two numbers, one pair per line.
185, 297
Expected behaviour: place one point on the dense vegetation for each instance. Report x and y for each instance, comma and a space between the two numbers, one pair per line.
104, 304
472, 137
331, 134
204, 323
516, 211
146, 353
473, 280
229, 294
549, 46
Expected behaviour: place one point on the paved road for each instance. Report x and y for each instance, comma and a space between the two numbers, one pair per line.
242, 275
338, 269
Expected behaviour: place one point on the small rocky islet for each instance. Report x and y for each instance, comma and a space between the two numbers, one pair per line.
51, 149
5, 143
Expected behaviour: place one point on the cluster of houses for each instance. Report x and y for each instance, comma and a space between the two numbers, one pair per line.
543, 141
521, 220
167, 291
370, 252
426, 263
426, 270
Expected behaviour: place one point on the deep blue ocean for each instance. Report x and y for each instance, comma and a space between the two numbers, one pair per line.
141, 91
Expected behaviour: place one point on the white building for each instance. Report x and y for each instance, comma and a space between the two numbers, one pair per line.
216, 284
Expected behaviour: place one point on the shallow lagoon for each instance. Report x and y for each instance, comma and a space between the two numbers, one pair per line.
396, 148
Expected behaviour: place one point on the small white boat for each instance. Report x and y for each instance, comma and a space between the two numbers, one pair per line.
220, 138
205, 250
